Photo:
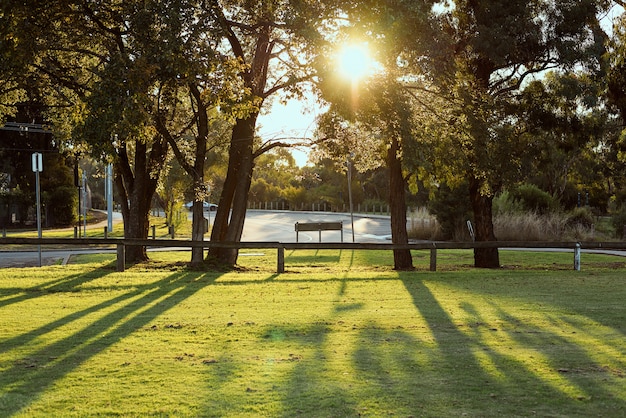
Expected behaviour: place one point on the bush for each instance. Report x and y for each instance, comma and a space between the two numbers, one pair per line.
529, 226
452, 208
505, 203
618, 220
580, 217
61, 206
98, 201
532, 198
423, 225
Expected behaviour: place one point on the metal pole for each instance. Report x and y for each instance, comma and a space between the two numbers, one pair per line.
38, 213
109, 195
37, 168
78, 189
85, 205
350, 197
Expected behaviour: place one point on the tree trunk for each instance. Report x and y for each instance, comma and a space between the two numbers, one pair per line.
483, 226
197, 232
136, 185
402, 259
228, 226
197, 227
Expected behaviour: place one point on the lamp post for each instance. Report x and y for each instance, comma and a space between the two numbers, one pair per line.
78, 188
85, 204
108, 185
349, 165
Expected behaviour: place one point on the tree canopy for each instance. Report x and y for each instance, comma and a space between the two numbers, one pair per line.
473, 92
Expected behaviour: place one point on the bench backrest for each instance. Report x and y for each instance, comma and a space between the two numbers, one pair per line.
319, 226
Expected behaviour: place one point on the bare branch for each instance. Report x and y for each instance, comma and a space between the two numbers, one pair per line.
269, 145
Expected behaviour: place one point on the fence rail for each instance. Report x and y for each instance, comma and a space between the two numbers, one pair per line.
121, 243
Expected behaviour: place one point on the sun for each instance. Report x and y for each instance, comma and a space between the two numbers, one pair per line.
354, 61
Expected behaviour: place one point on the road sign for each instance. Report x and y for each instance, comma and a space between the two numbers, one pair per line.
37, 162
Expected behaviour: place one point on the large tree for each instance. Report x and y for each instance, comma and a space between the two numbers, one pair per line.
273, 42
373, 133
134, 78
467, 61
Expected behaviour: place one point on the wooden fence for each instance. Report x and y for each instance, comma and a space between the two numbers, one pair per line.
280, 247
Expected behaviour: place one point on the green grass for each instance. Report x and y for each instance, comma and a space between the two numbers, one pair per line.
338, 334
95, 230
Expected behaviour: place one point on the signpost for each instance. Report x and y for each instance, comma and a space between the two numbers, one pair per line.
37, 160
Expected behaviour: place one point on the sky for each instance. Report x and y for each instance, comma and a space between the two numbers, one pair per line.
295, 119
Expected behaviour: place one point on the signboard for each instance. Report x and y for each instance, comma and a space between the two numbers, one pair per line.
37, 162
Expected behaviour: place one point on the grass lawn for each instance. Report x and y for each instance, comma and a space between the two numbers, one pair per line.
338, 334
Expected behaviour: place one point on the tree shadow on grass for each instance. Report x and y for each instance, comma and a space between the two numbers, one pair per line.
9, 296
50, 363
473, 353
312, 258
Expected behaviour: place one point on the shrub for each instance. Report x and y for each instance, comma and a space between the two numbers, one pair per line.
452, 208
61, 204
98, 201
423, 225
529, 226
580, 216
505, 203
618, 220
532, 198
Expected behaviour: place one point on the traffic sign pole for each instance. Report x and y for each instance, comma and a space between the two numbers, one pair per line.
37, 168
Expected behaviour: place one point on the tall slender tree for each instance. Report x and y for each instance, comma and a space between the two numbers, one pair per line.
273, 41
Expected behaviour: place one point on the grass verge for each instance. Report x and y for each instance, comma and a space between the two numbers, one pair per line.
339, 334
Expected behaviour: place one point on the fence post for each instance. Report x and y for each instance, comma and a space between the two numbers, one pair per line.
281, 259
106, 232
433, 259
153, 231
121, 257
577, 257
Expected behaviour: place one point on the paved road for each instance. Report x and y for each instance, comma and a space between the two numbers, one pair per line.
280, 226
259, 226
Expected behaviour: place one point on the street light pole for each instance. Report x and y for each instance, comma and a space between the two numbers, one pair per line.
109, 196
78, 188
85, 204
349, 164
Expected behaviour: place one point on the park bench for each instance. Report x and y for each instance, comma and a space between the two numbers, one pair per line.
319, 227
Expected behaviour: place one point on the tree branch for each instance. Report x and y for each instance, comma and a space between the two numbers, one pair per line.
271, 145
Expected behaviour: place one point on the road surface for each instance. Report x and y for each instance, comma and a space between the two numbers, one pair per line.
259, 226
279, 226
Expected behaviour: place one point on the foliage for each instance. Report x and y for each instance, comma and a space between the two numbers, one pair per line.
530, 226
532, 199
61, 206
504, 203
452, 208
616, 79
581, 216
479, 57
618, 220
